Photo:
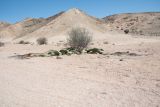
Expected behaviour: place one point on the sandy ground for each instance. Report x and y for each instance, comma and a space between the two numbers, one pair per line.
83, 80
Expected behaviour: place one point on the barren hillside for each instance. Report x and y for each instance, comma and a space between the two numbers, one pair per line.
59, 24
137, 23
65, 22
3, 25
24, 27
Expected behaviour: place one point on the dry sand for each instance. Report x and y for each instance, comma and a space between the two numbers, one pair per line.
83, 80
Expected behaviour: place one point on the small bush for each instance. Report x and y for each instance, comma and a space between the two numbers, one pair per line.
126, 31
53, 53
63, 52
79, 38
1, 44
94, 51
42, 41
23, 42
70, 49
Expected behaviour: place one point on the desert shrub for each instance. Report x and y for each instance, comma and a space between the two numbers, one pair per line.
126, 31
42, 41
79, 38
72, 51
23, 42
53, 53
63, 52
94, 51
1, 44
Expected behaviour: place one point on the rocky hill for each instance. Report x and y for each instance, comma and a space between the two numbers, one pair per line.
24, 27
137, 23
66, 21
30, 29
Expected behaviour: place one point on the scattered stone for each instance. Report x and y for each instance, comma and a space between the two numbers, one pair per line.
58, 57
124, 53
61, 41
105, 42
126, 31
23, 42
42, 55
132, 54
121, 60
91, 43
1, 44
103, 93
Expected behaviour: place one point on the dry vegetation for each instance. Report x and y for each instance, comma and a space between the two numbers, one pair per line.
42, 41
1, 44
79, 38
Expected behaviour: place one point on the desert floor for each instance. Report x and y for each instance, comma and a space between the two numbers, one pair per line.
83, 80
